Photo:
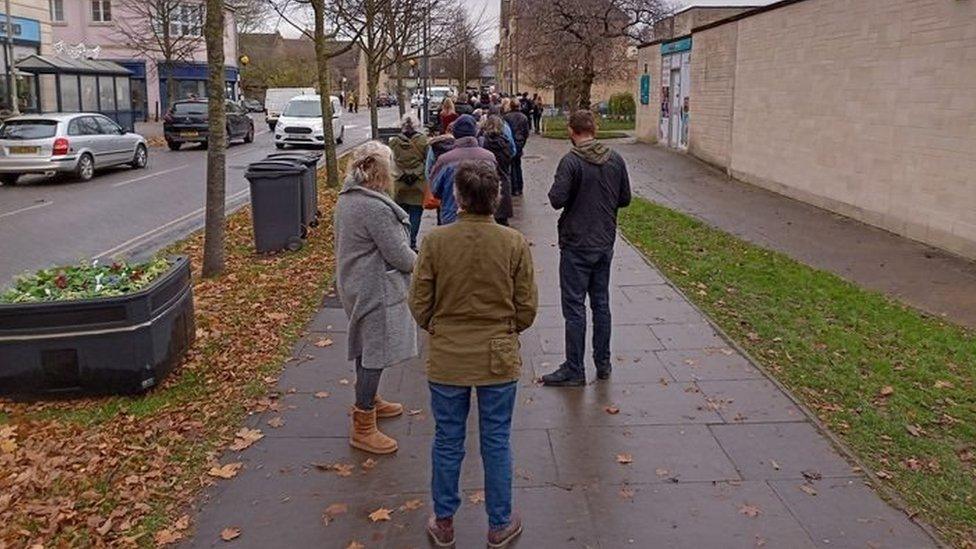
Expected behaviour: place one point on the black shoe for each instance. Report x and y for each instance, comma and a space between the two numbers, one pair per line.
563, 377
603, 372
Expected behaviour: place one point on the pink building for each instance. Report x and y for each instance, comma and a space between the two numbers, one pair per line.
125, 33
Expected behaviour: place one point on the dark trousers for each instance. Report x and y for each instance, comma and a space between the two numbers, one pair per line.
585, 273
537, 122
517, 183
416, 213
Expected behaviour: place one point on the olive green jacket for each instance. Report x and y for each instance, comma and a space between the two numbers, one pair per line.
409, 155
473, 291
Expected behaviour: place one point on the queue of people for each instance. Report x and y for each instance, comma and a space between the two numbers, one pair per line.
471, 286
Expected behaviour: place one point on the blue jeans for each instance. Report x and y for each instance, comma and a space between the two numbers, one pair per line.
582, 273
450, 405
416, 213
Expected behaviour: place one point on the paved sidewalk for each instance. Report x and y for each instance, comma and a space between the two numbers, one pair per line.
922, 276
716, 455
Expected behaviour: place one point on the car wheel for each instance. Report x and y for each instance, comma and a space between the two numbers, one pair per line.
249, 136
342, 135
279, 146
173, 145
85, 169
9, 179
141, 158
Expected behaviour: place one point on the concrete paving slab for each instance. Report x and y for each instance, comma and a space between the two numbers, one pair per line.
750, 401
708, 364
780, 451
684, 336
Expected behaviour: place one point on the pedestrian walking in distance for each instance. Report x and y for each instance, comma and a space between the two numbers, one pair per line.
373, 266
591, 184
409, 156
474, 292
520, 131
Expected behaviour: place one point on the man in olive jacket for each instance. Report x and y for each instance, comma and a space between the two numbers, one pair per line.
591, 184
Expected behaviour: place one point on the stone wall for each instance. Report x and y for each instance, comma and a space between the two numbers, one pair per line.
712, 94
648, 116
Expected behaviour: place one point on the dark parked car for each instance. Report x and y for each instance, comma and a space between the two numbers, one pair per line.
385, 100
187, 122
252, 105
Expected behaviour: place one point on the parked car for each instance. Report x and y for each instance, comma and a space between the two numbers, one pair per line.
252, 105
188, 122
74, 143
385, 100
276, 99
301, 122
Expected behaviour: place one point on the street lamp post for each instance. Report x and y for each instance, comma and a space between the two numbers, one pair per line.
11, 77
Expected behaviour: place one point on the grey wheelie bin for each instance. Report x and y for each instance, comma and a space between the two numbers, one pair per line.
310, 195
276, 204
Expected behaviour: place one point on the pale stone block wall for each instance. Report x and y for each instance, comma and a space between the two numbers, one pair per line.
865, 108
648, 116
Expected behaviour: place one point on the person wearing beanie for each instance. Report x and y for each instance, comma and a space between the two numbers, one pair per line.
466, 147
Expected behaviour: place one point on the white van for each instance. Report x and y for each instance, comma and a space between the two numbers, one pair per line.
300, 122
275, 100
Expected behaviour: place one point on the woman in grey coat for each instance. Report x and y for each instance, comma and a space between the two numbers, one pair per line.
373, 266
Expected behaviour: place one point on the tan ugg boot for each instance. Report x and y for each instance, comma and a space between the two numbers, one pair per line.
366, 437
385, 409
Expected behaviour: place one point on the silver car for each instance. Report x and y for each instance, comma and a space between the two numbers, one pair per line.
74, 143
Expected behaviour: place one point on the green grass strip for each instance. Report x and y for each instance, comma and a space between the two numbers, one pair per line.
895, 384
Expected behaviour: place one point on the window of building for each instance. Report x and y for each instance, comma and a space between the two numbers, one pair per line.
89, 93
70, 99
186, 20
101, 10
57, 11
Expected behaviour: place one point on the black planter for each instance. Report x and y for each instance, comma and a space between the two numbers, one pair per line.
111, 345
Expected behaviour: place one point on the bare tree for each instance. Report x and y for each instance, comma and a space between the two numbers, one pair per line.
464, 60
166, 30
250, 15
213, 236
588, 37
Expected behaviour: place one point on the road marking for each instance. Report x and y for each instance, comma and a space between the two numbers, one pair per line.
33, 207
147, 176
128, 243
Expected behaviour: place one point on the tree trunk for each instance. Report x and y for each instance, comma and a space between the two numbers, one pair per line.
213, 238
400, 91
325, 87
372, 82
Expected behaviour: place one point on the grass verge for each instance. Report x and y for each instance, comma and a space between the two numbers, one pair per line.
119, 471
896, 385
607, 128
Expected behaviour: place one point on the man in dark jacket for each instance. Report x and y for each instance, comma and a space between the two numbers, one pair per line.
591, 184
466, 147
519, 123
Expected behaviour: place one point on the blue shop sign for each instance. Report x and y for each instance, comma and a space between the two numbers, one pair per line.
26, 30
645, 89
194, 71
677, 46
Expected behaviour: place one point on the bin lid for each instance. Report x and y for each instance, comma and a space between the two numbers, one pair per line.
309, 159
274, 167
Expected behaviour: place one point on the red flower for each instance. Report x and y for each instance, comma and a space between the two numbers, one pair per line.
61, 281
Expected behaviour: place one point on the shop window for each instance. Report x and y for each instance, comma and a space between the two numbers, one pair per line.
106, 93
69, 93
101, 10
89, 93
123, 94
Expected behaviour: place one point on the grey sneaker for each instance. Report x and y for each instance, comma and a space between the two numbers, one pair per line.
441, 531
501, 537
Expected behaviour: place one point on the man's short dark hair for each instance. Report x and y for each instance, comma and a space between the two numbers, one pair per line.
477, 187
582, 122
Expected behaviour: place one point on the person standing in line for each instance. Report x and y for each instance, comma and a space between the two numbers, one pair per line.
537, 107
409, 154
437, 146
520, 131
493, 139
474, 292
591, 184
466, 147
373, 266
463, 105
525, 105
448, 114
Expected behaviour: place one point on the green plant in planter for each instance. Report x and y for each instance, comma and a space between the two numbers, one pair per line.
85, 281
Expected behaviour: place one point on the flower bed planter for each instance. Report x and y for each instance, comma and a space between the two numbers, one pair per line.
120, 344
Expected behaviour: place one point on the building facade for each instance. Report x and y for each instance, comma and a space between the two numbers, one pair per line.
100, 24
31, 35
864, 108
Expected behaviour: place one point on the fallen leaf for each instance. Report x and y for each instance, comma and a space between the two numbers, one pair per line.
322, 394
810, 490
612, 410
166, 537
477, 497
752, 336
626, 493
750, 511
324, 343
334, 510
276, 422
774, 464
355, 545
230, 533
182, 523
341, 469
625, 458
343, 381
914, 430
244, 438
414, 412
105, 528
940, 384
886, 391
661, 472
811, 474
380, 514
882, 474
412, 504
760, 541
228, 470
369, 463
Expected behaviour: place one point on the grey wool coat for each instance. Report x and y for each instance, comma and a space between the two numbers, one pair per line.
373, 266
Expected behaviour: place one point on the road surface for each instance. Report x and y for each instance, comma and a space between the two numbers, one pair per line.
125, 212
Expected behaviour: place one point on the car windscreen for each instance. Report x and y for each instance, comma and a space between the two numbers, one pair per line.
303, 109
28, 129
190, 108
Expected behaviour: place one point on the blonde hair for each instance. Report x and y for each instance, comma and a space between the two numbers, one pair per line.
493, 124
506, 104
372, 167
447, 105
409, 122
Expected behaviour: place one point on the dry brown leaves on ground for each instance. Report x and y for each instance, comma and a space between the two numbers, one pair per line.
118, 471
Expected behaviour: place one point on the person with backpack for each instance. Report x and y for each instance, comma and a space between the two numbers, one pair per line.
409, 158
493, 139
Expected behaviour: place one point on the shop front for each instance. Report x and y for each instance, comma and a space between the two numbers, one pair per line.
26, 42
675, 87
191, 82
